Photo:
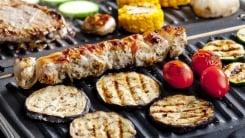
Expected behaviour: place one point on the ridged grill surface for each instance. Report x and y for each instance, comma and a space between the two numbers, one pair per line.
229, 111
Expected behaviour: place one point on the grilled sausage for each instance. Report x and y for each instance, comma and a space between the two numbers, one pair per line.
102, 124
182, 113
129, 89
95, 59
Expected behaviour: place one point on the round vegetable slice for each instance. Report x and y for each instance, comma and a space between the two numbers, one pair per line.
227, 50
54, 2
182, 113
78, 9
241, 35
32, 1
235, 72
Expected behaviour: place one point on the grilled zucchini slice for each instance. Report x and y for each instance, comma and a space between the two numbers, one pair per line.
130, 89
235, 72
241, 35
102, 124
227, 50
182, 113
57, 104
78, 9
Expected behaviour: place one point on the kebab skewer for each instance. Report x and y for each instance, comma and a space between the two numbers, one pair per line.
94, 59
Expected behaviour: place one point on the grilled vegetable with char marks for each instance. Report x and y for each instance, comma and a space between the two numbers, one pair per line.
130, 89
94, 59
57, 104
102, 124
235, 72
100, 24
182, 113
226, 49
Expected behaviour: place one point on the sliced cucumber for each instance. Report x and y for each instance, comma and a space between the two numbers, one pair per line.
227, 50
241, 35
235, 72
78, 9
32, 1
55, 2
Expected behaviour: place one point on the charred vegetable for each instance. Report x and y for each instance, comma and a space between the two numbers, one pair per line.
182, 113
235, 72
129, 89
100, 24
57, 104
241, 35
102, 125
226, 49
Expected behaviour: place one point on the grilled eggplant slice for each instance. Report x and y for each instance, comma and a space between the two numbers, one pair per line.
127, 89
182, 113
227, 50
102, 125
235, 72
57, 104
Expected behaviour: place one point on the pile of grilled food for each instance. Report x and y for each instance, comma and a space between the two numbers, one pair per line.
59, 103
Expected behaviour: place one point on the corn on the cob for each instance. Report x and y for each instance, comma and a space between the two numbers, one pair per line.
121, 3
141, 18
173, 3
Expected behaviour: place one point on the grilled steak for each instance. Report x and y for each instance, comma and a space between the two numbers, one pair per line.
24, 22
129, 89
182, 113
94, 59
102, 124
57, 104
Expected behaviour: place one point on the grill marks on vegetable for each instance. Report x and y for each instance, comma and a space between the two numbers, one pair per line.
102, 124
182, 111
235, 72
225, 49
127, 89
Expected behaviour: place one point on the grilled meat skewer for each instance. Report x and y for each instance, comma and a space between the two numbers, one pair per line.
95, 59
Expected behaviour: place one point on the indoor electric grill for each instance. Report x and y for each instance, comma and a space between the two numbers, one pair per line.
229, 111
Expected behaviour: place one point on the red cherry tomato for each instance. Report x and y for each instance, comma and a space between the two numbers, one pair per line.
203, 59
178, 74
214, 82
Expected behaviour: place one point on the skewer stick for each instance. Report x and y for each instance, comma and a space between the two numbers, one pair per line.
6, 76
215, 32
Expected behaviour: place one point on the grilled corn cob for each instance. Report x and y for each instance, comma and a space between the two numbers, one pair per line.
173, 3
141, 18
121, 3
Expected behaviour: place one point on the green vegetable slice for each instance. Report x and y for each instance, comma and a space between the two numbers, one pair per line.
235, 72
32, 1
54, 2
78, 9
241, 35
227, 50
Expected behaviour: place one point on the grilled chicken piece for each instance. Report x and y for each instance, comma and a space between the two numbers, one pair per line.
23, 22
151, 48
94, 59
25, 72
102, 124
89, 60
182, 113
129, 89
100, 24
176, 38
57, 104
